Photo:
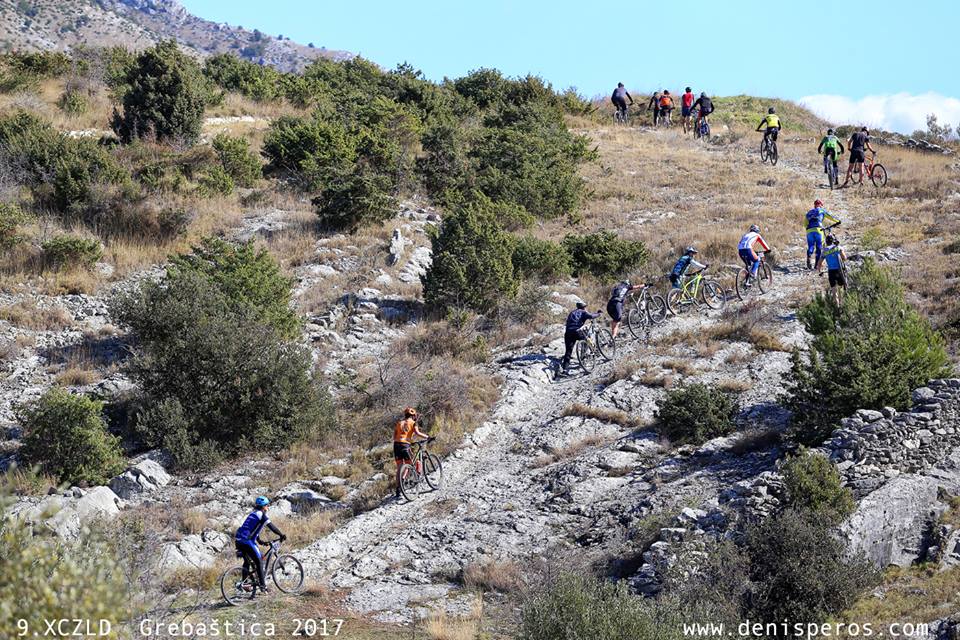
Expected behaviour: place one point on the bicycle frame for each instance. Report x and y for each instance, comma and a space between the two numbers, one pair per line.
691, 287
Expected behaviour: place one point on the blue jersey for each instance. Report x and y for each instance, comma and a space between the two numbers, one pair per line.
832, 256
578, 317
251, 527
815, 218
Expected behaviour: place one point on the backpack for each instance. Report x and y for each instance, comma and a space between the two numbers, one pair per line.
666, 101
830, 143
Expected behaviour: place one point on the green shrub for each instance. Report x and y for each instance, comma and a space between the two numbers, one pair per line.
541, 259
11, 217
237, 159
813, 485
256, 81
952, 247
43, 577
245, 276
165, 97
871, 352
800, 571
581, 607
360, 199
604, 255
66, 435
312, 152
444, 166
216, 181
696, 413
72, 103
472, 265
70, 252
218, 380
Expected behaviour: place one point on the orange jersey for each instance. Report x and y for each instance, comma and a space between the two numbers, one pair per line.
404, 430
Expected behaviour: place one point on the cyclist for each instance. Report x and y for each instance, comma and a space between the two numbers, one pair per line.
403, 433
704, 105
815, 232
573, 332
654, 105
619, 99
746, 250
248, 537
683, 264
618, 294
835, 258
831, 148
666, 105
686, 109
859, 142
772, 123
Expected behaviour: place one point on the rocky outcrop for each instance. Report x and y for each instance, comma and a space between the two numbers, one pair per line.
66, 514
199, 550
143, 477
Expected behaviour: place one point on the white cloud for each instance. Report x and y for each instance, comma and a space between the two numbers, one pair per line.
900, 112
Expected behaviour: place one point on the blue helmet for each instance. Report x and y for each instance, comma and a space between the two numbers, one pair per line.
262, 501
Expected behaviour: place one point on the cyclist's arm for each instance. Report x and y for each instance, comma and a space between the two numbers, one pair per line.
762, 243
831, 218
840, 144
762, 122
416, 430
870, 147
629, 96
700, 265
277, 531
820, 148
594, 315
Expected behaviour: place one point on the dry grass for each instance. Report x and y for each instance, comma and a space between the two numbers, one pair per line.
303, 530
194, 521
441, 626
755, 440
556, 454
683, 367
26, 482
503, 576
732, 385
76, 377
604, 414
915, 594
652, 379
27, 315
622, 370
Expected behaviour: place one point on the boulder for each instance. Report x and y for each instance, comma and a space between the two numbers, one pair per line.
198, 550
143, 477
397, 244
419, 262
303, 498
66, 515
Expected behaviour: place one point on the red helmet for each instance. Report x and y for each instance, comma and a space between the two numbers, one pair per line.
818, 203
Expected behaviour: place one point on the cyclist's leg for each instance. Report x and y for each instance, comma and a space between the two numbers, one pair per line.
569, 340
812, 246
819, 247
615, 311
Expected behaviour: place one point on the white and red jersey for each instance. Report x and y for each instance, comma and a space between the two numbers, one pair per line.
750, 239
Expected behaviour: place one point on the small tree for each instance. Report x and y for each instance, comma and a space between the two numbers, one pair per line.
535, 258
65, 434
165, 96
472, 265
813, 484
70, 251
604, 255
237, 159
696, 413
11, 217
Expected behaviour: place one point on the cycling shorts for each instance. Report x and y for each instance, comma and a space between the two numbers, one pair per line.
749, 257
615, 309
676, 280
620, 104
837, 279
686, 111
402, 451
856, 155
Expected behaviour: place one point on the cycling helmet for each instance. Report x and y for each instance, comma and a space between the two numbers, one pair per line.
581, 305
864, 129
262, 501
619, 84
689, 90
410, 412
665, 92
831, 239
829, 132
754, 228
690, 250
703, 94
771, 110
818, 203
627, 282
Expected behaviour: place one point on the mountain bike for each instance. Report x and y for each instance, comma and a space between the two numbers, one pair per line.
666, 117
757, 286
832, 172
768, 149
696, 290
285, 571
596, 342
701, 129
875, 171
646, 309
411, 481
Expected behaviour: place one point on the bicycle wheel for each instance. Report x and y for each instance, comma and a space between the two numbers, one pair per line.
287, 574
676, 303
764, 151
638, 321
409, 481
713, 295
878, 176
433, 471
656, 308
606, 345
234, 588
743, 291
586, 356
765, 279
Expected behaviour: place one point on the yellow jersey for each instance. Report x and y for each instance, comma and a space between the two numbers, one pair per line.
772, 120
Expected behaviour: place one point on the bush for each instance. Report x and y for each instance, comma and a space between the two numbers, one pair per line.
577, 607
237, 160
70, 252
871, 352
813, 485
72, 103
357, 200
216, 181
312, 152
472, 265
799, 570
66, 435
604, 255
541, 259
696, 413
165, 97
11, 217
218, 380
256, 81
43, 577
246, 276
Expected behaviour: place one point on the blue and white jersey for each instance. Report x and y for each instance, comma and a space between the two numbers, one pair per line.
251, 527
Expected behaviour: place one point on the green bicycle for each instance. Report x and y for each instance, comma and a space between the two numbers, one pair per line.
695, 291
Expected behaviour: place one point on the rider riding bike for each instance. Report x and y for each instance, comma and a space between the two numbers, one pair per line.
619, 99
834, 256
574, 332
772, 123
666, 105
615, 305
831, 148
705, 106
403, 433
686, 108
248, 537
750, 258
683, 264
815, 232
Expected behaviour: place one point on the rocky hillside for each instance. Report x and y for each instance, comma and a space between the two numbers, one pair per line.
136, 24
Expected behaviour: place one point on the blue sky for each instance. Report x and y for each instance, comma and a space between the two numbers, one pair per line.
792, 50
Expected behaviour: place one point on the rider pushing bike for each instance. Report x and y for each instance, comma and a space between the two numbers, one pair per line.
573, 332
816, 233
403, 433
680, 269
